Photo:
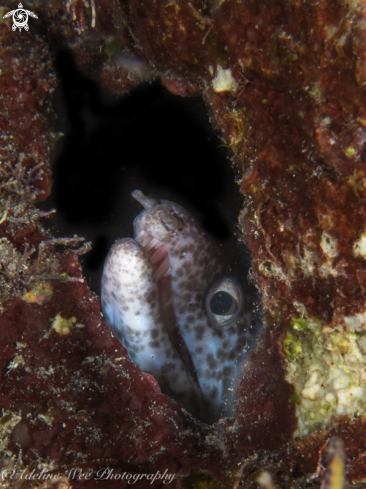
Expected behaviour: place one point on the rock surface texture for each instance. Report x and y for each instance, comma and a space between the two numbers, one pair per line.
284, 82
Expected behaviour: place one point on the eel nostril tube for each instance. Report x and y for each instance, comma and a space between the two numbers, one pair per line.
144, 200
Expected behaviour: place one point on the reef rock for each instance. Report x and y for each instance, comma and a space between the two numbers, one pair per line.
284, 81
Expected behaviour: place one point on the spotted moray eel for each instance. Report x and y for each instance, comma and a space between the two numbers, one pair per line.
166, 298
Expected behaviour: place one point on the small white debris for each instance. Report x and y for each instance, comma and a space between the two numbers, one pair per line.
224, 81
329, 245
17, 361
63, 326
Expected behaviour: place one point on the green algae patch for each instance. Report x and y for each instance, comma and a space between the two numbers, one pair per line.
295, 398
327, 368
291, 347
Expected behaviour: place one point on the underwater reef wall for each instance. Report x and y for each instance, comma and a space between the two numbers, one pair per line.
284, 83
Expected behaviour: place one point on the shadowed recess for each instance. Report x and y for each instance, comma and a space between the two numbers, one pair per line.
150, 139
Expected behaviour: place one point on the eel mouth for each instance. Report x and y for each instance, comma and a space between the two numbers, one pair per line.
157, 252
159, 259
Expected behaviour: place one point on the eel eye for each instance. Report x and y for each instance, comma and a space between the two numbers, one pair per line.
224, 302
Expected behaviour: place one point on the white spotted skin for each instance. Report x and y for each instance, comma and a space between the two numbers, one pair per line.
130, 305
195, 264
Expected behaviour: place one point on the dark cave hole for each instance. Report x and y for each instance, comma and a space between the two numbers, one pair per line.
151, 140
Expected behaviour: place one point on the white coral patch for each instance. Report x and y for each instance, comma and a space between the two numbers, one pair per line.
362, 343
332, 379
356, 322
359, 247
224, 81
312, 388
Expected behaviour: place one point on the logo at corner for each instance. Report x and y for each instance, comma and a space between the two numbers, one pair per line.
20, 18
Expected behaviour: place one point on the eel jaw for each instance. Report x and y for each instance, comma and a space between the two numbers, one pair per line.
158, 254
159, 258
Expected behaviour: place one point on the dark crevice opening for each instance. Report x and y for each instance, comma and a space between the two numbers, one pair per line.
151, 140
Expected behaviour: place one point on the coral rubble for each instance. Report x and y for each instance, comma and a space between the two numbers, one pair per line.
284, 82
